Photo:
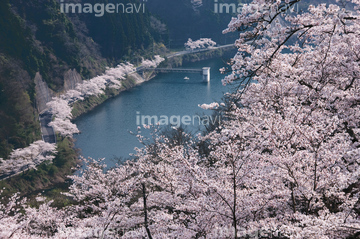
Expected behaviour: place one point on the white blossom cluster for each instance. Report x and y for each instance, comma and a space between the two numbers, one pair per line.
152, 63
202, 43
61, 108
210, 106
28, 158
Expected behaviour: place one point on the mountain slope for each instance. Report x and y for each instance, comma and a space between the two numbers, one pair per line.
37, 38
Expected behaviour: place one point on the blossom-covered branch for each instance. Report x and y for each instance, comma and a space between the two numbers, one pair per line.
199, 44
27, 158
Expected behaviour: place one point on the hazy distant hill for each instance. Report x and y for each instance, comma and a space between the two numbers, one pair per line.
192, 19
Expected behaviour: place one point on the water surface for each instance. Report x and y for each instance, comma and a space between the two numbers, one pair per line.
105, 130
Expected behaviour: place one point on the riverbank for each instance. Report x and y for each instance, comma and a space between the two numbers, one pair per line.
48, 176
88, 104
106, 131
134, 79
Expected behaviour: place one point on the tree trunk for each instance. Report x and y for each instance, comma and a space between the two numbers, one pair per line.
146, 223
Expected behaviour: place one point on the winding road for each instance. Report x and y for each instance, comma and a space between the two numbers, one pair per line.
180, 53
47, 132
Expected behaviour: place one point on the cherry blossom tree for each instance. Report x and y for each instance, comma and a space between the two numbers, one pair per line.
29, 157
60, 107
285, 162
199, 44
72, 96
61, 111
306, 95
152, 63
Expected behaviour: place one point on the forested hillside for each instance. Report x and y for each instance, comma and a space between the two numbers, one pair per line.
203, 18
192, 19
37, 37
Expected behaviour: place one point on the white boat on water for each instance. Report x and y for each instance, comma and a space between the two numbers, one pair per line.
186, 78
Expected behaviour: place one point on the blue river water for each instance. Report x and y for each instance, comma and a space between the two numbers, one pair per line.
105, 131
